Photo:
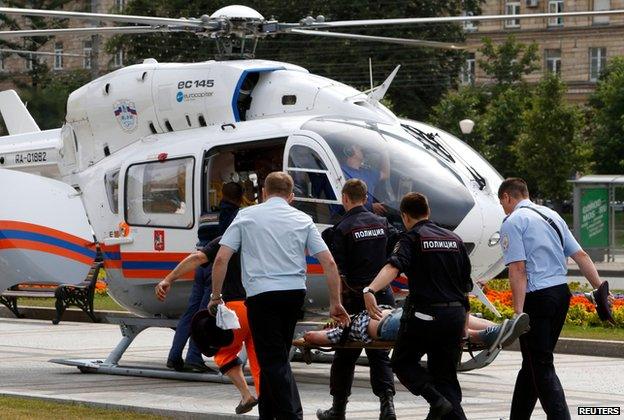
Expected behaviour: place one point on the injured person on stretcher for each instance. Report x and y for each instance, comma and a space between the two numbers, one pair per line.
364, 329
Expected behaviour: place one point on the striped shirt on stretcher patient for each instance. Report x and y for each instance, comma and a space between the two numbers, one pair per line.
365, 329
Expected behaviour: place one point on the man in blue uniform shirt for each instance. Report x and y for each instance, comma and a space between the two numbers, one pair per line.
536, 242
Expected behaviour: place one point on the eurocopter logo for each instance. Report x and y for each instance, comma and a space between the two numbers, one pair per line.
126, 114
192, 96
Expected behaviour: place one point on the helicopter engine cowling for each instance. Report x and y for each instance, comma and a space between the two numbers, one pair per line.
144, 100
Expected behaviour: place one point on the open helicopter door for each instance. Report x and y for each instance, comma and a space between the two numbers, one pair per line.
45, 236
317, 184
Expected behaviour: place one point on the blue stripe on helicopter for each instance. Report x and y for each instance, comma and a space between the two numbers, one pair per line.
149, 265
112, 255
37, 237
240, 84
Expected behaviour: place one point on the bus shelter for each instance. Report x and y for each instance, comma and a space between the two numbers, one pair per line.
598, 205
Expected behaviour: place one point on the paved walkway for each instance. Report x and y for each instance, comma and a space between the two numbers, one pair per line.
27, 345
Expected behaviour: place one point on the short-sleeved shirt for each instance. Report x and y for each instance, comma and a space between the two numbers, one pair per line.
370, 177
273, 238
436, 263
232, 285
526, 236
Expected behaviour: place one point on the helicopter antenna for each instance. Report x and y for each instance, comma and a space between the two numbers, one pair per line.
370, 69
379, 92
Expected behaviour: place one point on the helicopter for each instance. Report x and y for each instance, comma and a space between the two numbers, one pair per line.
145, 150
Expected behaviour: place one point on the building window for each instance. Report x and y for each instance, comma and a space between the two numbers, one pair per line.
118, 58
469, 26
553, 61
28, 60
601, 5
87, 49
58, 56
512, 8
467, 75
597, 62
555, 6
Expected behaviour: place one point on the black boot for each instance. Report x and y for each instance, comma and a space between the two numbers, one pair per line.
336, 412
386, 406
438, 404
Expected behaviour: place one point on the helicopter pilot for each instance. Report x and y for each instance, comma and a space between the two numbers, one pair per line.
353, 167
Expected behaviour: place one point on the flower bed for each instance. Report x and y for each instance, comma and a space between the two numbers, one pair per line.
582, 312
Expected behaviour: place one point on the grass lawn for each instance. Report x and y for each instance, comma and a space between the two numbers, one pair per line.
597, 333
100, 302
16, 408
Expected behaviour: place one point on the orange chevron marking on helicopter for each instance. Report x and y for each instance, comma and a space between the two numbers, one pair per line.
44, 247
44, 230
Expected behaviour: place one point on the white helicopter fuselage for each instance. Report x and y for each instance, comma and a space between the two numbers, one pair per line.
147, 147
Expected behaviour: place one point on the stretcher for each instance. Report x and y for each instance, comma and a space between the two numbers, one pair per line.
480, 356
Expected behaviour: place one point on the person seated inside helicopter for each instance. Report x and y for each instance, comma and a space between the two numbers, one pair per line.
355, 165
243, 102
364, 329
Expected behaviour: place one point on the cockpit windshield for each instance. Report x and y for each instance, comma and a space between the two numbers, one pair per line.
392, 167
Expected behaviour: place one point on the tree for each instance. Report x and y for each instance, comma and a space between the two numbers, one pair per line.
607, 106
549, 149
506, 63
424, 77
466, 102
501, 125
496, 108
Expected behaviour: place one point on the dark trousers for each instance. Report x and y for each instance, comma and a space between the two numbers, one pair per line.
200, 294
440, 340
547, 309
272, 319
343, 365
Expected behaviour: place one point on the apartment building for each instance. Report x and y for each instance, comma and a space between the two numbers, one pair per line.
577, 48
67, 52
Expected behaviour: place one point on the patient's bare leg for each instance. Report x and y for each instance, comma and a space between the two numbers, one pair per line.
318, 338
475, 323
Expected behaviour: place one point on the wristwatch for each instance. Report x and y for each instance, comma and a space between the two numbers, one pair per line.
367, 290
213, 297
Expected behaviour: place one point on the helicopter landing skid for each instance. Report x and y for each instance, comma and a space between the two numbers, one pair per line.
131, 327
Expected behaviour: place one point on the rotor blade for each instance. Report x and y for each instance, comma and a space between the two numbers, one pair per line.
447, 19
28, 52
103, 17
402, 41
85, 31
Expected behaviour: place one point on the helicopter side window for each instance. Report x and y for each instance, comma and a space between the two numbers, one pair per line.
313, 191
111, 182
160, 194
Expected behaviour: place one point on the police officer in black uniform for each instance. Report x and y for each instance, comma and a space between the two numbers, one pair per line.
437, 266
359, 244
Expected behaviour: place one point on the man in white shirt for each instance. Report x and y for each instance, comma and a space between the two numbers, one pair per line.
272, 238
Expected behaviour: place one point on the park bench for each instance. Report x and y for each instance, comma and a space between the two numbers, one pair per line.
66, 295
